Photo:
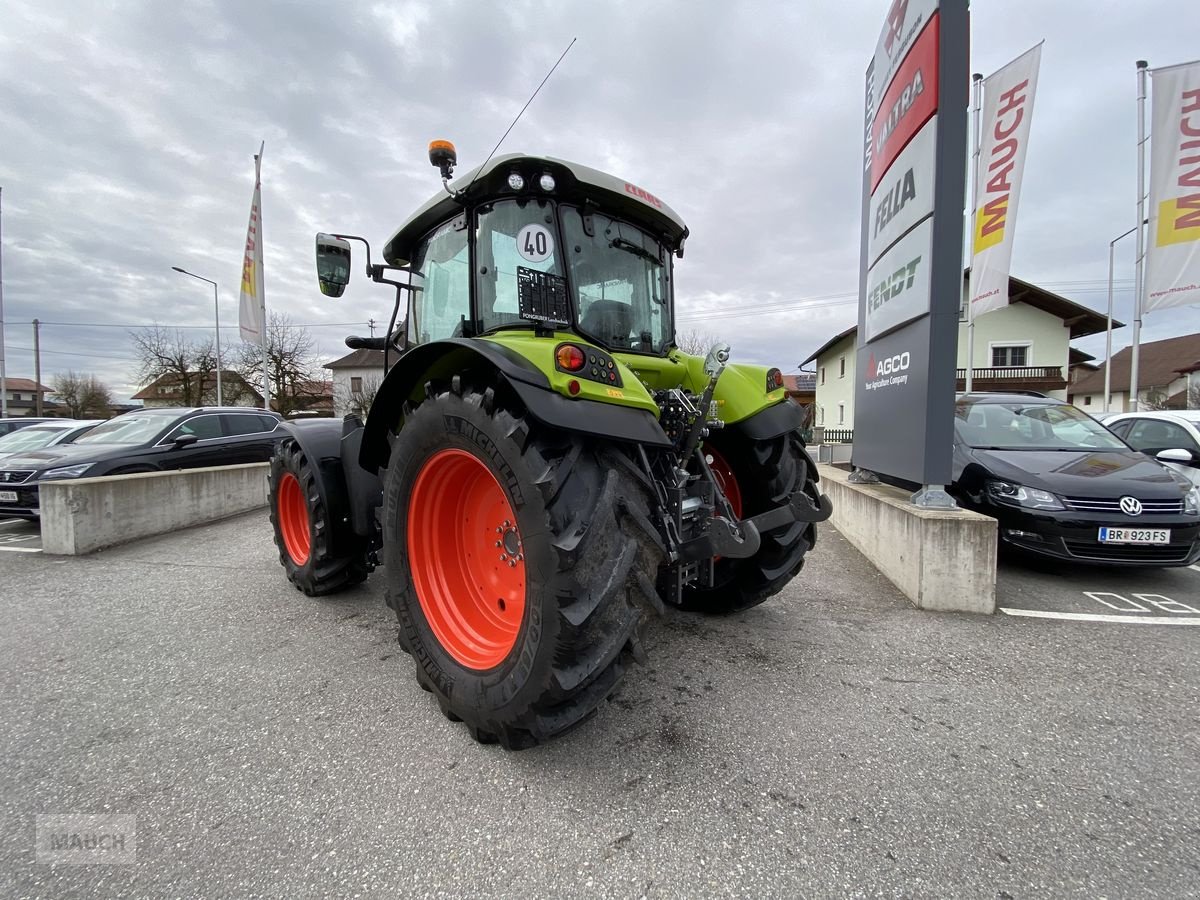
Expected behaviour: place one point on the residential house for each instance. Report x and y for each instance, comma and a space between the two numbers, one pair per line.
356, 377
1023, 346
1168, 371
801, 387
22, 395
168, 391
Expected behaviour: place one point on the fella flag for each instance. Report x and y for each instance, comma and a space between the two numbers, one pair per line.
253, 297
1007, 112
1173, 242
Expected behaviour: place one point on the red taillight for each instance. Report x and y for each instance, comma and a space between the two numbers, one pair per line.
774, 380
570, 358
573, 387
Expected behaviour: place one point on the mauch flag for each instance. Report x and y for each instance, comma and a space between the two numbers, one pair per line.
1007, 112
1173, 246
253, 299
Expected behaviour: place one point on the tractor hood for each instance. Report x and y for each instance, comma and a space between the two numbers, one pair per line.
573, 183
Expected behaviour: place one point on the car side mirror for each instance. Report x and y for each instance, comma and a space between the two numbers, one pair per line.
185, 440
333, 264
1177, 455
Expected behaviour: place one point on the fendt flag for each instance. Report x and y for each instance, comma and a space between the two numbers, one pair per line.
1173, 244
1007, 113
253, 299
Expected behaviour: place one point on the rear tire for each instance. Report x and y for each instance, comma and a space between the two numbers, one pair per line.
303, 530
765, 473
537, 655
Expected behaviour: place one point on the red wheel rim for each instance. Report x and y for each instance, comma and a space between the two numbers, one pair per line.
723, 474
293, 519
466, 558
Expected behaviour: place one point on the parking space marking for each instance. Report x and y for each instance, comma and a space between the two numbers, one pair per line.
1194, 568
1097, 617
20, 549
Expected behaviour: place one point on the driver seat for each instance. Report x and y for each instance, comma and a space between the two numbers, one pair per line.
609, 321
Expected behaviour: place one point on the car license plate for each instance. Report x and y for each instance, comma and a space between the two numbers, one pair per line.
1135, 535
8, 496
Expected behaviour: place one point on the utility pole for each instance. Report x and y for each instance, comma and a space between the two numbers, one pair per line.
37, 367
371, 325
3, 373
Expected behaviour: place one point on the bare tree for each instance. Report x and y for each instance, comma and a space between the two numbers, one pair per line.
694, 342
187, 368
357, 403
84, 396
1154, 400
1193, 397
292, 365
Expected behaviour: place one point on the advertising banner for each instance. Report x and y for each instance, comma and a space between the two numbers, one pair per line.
250, 304
1173, 242
910, 274
1007, 112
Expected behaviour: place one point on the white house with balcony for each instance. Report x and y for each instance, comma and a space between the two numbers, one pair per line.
356, 377
1024, 346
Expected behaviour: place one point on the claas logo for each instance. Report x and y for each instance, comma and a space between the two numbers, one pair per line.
1178, 221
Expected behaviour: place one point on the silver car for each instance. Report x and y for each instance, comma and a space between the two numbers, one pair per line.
49, 433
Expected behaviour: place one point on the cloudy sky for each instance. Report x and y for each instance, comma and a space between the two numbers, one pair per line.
128, 137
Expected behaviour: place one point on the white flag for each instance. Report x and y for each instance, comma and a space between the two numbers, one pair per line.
1007, 112
1173, 241
253, 298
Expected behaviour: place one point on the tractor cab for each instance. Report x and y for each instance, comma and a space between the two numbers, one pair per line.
533, 243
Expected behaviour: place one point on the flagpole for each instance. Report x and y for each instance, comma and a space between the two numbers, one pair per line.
3, 370
262, 293
1141, 235
977, 92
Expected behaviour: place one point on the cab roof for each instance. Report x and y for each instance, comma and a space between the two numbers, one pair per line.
573, 183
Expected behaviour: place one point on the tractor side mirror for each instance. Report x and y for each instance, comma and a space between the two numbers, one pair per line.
333, 264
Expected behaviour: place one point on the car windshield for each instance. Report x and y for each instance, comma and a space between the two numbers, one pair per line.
1020, 426
131, 428
32, 438
620, 274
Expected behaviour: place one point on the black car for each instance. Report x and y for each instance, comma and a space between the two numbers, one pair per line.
147, 440
1060, 484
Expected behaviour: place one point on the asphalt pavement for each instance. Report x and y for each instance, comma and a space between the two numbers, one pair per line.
832, 742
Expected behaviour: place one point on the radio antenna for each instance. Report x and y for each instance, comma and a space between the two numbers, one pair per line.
518, 118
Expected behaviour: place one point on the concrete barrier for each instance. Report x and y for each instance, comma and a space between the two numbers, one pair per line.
84, 514
941, 559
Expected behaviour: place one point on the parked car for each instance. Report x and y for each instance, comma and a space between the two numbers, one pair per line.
147, 440
1061, 484
8, 426
41, 435
1173, 438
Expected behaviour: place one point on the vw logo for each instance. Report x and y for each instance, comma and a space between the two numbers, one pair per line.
1131, 506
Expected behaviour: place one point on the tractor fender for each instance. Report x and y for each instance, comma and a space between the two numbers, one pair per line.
350, 495
441, 360
772, 421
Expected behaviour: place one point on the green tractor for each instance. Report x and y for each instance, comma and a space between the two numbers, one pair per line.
541, 465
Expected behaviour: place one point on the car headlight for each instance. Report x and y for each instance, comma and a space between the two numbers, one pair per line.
65, 472
1191, 501
1019, 495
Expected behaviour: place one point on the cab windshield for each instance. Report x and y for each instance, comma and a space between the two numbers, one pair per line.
620, 275
1019, 426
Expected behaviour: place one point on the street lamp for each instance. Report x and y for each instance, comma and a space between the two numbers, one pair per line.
1108, 340
217, 315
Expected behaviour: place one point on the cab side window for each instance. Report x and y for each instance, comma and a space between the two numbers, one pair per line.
441, 269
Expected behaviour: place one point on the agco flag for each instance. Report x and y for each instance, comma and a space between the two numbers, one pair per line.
1007, 112
252, 301
1173, 245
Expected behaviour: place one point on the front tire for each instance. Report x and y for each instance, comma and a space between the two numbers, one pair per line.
519, 562
757, 476
303, 529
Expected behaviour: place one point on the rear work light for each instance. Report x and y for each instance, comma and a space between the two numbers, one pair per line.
570, 358
774, 380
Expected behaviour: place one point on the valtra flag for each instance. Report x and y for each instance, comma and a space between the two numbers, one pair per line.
250, 307
1007, 112
1173, 246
